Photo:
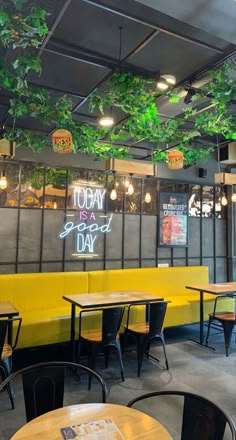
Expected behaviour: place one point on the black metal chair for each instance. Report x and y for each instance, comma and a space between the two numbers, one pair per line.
201, 418
106, 336
226, 319
6, 351
148, 331
43, 385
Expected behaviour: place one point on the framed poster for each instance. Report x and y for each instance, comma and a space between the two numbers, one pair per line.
173, 220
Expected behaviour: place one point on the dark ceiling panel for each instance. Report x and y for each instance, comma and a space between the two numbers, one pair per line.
173, 56
67, 74
91, 28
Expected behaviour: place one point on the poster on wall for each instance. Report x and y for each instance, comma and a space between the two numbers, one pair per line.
173, 220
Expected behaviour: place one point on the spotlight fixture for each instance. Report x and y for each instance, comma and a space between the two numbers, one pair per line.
106, 121
191, 92
166, 81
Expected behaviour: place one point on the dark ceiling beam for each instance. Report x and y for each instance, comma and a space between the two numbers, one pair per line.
152, 25
54, 26
79, 54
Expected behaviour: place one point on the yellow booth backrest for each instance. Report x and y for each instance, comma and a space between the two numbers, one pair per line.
164, 281
41, 291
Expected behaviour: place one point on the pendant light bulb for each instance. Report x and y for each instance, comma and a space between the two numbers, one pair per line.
113, 195
223, 200
126, 183
3, 182
147, 197
54, 204
233, 197
130, 189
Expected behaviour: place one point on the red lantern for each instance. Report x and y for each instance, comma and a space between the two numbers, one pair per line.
62, 141
175, 160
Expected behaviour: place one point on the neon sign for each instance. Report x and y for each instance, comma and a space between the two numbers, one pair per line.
86, 199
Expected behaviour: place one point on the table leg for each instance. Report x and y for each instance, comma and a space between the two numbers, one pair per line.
9, 331
201, 324
72, 331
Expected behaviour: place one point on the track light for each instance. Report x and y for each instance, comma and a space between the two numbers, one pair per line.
191, 92
106, 121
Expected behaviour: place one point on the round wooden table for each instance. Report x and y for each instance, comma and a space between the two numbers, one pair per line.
133, 424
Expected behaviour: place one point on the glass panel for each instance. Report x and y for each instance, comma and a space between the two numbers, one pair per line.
132, 201
30, 235
149, 202
149, 236
131, 237
194, 202
32, 178
114, 238
207, 201
207, 238
55, 188
10, 195
52, 244
75, 178
221, 270
194, 237
220, 211
221, 234
8, 229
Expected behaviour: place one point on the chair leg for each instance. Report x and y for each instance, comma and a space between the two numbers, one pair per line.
125, 335
228, 330
164, 349
141, 348
208, 328
118, 346
92, 360
106, 355
6, 368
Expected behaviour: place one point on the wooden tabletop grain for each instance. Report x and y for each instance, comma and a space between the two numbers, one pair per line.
215, 289
100, 299
133, 424
7, 309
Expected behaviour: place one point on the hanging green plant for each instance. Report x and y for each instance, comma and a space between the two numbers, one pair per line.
24, 26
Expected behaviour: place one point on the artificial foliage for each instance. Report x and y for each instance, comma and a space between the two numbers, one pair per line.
23, 28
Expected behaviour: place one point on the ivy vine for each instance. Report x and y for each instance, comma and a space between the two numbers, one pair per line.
24, 28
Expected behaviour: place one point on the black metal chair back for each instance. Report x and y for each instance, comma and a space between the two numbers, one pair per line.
157, 313
111, 321
201, 419
43, 386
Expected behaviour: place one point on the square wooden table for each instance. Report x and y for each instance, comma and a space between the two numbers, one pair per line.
7, 310
214, 289
105, 299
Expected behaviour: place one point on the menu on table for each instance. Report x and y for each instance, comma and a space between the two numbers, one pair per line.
104, 429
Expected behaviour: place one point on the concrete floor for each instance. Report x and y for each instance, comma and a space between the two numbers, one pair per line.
192, 368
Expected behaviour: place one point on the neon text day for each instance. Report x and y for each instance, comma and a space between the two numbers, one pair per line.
86, 235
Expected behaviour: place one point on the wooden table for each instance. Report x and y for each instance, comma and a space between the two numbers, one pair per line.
214, 289
133, 424
7, 310
105, 299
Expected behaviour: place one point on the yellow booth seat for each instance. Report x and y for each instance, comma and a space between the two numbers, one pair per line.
38, 298
166, 282
46, 316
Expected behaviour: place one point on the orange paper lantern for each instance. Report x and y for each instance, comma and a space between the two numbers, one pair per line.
175, 160
62, 141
